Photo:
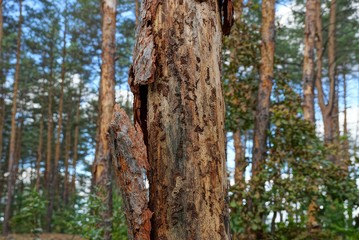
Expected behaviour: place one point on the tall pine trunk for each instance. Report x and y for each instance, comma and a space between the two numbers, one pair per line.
66, 160
176, 81
12, 164
102, 165
261, 119
49, 165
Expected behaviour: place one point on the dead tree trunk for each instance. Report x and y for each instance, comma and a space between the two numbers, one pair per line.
39, 154
176, 81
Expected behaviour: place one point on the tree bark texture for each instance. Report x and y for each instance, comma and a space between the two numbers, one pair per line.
261, 119
102, 173
176, 81
12, 164
129, 155
308, 62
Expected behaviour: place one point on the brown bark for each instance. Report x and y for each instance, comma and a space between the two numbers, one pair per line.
102, 165
240, 161
261, 120
308, 85
39, 155
179, 105
48, 173
129, 155
12, 164
137, 11
66, 160
308, 62
55, 174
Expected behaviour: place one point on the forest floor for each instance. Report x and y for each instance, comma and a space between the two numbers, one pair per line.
48, 236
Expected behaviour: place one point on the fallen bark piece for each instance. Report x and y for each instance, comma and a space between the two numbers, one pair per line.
129, 155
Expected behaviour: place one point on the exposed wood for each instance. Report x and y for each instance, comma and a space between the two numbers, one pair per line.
12, 164
179, 105
102, 165
129, 155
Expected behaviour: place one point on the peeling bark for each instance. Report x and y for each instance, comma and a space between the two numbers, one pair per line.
175, 79
129, 155
102, 165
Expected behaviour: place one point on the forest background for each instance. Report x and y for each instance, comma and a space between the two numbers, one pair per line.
53, 49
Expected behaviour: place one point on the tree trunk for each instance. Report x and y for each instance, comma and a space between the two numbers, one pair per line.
240, 161
12, 163
261, 120
176, 81
308, 63
2, 90
76, 142
48, 175
346, 155
66, 159
102, 165
39, 155
55, 173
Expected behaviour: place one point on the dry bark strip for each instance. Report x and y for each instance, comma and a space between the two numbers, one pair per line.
129, 155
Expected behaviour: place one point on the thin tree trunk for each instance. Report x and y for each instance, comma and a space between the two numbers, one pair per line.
76, 142
263, 104
346, 155
240, 161
48, 175
66, 159
308, 65
102, 165
2, 90
176, 81
12, 163
59, 124
39, 155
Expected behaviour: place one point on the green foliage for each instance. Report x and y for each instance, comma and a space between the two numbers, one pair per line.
29, 218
